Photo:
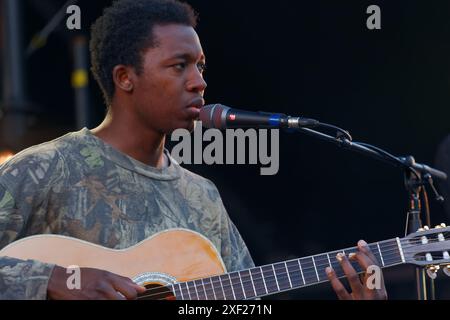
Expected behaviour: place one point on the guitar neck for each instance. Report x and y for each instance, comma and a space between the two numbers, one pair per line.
283, 276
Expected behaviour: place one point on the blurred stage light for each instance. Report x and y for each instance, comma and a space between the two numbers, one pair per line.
5, 155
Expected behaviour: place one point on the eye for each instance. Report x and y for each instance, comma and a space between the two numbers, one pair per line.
180, 66
201, 67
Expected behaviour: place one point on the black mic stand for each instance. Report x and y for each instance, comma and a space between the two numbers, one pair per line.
415, 183
417, 176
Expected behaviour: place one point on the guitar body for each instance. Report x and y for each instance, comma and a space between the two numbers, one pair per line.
176, 255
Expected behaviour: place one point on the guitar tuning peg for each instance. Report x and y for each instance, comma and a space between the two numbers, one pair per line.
432, 271
420, 230
443, 225
447, 270
426, 228
439, 227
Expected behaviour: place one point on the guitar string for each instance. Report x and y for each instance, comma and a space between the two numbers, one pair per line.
270, 284
228, 287
247, 292
269, 278
215, 288
272, 277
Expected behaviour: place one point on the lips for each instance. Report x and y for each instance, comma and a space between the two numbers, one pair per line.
197, 103
193, 108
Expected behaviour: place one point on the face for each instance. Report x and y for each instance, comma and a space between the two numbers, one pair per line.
168, 93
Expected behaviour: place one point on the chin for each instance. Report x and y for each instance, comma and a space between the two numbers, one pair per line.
190, 126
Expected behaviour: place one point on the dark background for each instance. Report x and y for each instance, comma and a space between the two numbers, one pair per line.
388, 87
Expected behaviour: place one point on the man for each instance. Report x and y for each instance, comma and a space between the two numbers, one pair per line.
116, 185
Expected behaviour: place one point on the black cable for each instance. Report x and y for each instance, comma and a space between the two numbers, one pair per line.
339, 130
389, 156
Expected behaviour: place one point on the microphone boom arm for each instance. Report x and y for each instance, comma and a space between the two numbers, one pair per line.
405, 163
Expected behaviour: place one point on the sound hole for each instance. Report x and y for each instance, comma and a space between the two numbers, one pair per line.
156, 291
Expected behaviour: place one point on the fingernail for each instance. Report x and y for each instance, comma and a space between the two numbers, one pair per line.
362, 243
352, 255
328, 270
340, 256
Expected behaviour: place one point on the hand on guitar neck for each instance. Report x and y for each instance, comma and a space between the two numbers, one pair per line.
95, 285
358, 285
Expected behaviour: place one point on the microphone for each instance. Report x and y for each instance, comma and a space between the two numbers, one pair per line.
222, 117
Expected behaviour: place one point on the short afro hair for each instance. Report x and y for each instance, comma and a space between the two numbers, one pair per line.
125, 31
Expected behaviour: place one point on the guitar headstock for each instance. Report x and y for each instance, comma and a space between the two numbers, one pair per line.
429, 248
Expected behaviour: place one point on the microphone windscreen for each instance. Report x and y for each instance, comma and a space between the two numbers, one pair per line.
211, 116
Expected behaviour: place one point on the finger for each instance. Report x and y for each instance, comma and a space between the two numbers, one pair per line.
128, 288
365, 262
350, 273
364, 256
108, 292
138, 288
363, 259
364, 247
337, 285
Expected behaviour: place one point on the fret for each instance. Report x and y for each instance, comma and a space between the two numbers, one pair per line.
218, 288
227, 287
321, 262
200, 290
377, 253
390, 252
269, 279
329, 260
315, 268
295, 274
204, 290
282, 276
232, 289
381, 256
275, 276
335, 263
192, 291
177, 291
237, 286
301, 272
185, 291
258, 281
242, 285
264, 280
354, 263
309, 271
209, 289
400, 249
247, 284
289, 276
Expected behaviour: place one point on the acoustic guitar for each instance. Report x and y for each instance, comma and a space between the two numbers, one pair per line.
183, 265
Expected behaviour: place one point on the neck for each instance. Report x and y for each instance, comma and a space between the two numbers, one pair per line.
142, 144
279, 277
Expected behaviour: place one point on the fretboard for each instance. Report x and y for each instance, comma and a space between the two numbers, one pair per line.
282, 276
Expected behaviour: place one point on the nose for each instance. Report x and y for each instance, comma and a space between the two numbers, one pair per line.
196, 82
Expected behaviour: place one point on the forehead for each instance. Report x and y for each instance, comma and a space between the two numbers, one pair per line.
174, 40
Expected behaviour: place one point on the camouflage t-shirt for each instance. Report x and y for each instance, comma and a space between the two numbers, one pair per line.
81, 187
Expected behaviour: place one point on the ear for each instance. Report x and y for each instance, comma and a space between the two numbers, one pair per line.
123, 78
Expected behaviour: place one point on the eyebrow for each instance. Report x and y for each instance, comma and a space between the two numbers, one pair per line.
186, 56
